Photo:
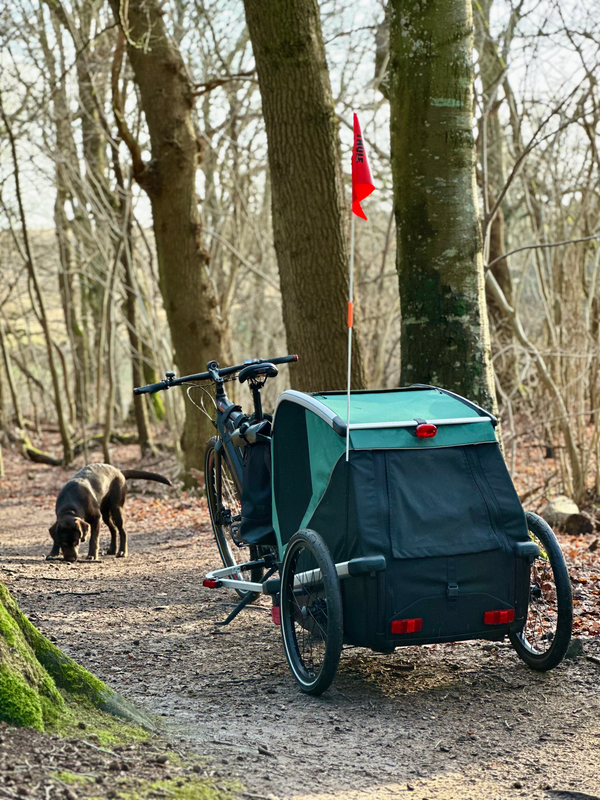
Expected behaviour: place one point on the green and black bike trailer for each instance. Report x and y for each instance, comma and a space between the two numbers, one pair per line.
421, 513
401, 527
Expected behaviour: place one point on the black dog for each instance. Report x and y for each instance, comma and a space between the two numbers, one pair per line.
98, 490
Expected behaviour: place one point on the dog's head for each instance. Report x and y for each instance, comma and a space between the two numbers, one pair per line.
68, 532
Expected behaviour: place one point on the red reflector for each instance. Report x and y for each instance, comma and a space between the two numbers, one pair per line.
426, 430
276, 615
210, 583
499, 617
407, 625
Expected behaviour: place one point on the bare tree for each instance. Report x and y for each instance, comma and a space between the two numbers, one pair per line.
170, 180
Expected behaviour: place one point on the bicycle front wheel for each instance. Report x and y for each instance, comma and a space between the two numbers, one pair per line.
226, 514
543, 640
311, 612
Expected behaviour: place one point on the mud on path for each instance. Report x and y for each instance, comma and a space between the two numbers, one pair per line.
452, 721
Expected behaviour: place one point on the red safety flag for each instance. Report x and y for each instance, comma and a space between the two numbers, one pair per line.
362, 181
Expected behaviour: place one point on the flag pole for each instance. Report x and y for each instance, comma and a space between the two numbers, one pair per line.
350, 324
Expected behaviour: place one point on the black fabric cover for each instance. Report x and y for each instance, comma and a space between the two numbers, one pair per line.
446, 520
408, 504
292, 482
256, 526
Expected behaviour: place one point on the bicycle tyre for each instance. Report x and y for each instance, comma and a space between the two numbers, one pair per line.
229, 551
549, 620
311, 613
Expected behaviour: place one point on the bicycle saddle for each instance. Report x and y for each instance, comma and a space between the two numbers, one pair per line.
253, 371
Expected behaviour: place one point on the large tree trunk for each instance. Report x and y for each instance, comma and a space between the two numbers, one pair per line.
309, 218
492, 149
169, 179
445, 338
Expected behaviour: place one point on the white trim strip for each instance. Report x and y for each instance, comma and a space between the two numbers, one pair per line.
305, 400
359, 426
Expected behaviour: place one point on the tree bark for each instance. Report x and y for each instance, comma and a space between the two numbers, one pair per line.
18, 417
37, 291
492, 149
169, 180
309, 212
131, 314
445, 337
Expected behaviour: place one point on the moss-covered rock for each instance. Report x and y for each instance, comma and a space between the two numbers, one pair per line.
41, 687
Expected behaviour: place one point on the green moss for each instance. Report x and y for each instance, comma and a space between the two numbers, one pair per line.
70, 778
193, 789
104, 729
41, 687
8, 627
19, 703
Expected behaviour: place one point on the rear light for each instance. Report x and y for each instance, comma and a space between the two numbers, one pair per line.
499, 617
211, 583
276, 615
426, 430
407, 625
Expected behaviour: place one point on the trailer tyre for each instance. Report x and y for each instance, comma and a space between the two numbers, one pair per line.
311, 612
543, 640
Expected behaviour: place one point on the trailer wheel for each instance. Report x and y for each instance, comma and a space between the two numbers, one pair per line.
543, 640
311, 612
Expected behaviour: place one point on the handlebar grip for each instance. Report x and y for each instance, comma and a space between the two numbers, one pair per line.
283, 359
151, 388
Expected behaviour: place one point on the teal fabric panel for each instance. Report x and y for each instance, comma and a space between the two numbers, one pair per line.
447, 436
325, 448
396, 406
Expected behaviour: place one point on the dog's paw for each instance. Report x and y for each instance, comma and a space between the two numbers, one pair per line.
50, 557
93, 558
111, 552
122, 554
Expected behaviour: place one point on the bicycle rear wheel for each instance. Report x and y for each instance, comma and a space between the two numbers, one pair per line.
226, 514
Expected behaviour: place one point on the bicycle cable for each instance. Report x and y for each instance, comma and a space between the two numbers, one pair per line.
194, 403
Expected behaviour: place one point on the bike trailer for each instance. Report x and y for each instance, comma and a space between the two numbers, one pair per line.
423, 515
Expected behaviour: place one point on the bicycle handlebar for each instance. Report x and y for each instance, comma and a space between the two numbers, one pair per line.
204, 376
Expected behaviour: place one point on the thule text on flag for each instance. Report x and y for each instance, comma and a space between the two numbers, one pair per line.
362, 181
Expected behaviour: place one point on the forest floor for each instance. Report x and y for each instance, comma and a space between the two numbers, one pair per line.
452, 721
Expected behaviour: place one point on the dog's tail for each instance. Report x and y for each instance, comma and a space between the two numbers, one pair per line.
148, 476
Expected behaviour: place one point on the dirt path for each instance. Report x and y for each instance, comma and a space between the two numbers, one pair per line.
453, 721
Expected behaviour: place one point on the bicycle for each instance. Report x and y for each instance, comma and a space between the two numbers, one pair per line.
225, 454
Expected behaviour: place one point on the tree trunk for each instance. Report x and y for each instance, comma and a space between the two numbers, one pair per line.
131, 314
445, 337
18, 417
169, 180
37, 291
309, 212
492, 149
